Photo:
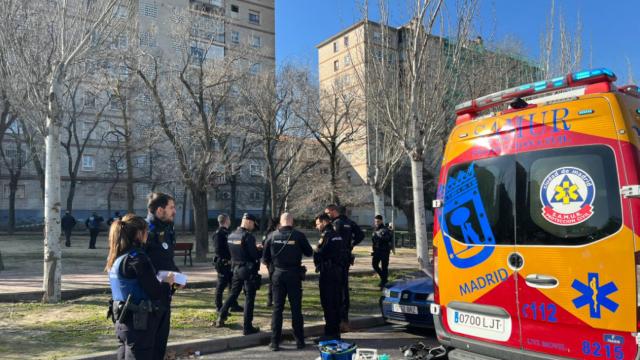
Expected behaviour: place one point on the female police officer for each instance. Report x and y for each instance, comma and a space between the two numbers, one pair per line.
139, 299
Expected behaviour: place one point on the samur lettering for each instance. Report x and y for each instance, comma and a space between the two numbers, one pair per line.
547, 128
481, 282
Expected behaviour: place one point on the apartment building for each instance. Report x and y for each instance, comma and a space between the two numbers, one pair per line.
219, 27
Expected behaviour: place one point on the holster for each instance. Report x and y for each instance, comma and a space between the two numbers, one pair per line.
303, 273
141, 315
257, 278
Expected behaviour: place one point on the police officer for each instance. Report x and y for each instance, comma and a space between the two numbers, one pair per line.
283, 250
274, 223
222, 261
93, 223
68, 222
382, 244
329, 261
139, 300
161, 243
245, 259
352, 235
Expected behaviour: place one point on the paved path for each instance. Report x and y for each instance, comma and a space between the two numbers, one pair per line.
386, 339
83, 268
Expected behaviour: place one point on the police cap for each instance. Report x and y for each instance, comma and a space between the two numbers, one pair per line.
250, 217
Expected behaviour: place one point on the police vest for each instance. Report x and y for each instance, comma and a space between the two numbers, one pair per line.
121, 286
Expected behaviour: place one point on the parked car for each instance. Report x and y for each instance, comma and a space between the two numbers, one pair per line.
407, 301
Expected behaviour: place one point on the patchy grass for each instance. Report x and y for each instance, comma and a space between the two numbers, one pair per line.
42, 331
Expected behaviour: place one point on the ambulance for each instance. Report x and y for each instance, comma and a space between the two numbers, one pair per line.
537, 232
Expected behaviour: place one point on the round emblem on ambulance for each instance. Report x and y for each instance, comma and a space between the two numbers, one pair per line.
165, 246
567, 195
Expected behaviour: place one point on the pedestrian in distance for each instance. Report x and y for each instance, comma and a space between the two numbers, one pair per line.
93, 223
139, 300
273, 226
68, 222
382, 245
160, 248
222, 261
245, 260
352, 235
283, 250
116, 216
328, 258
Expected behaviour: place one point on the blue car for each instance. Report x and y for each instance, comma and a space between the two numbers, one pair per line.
408, 301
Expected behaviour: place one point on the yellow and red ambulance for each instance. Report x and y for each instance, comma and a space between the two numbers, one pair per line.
537, 233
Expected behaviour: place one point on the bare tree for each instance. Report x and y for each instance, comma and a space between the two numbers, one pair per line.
46, 39
566, 56
414, 100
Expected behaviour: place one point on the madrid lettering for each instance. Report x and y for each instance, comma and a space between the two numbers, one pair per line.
481, 282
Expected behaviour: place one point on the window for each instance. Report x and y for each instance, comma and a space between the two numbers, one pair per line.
254, 17
114, 102
215, 52
216, 2
324, 171
347, 60
346, 41
255, 69
89, 100
142, 190
346, 80
88, 163
377, 36
88, 131
479, 202
119, 193
335, 46
255, 196
567, 198
147, 39
378, 54
140, 161
121, 164
336, 65
235, 37
121, 12
256, 41
20, 192
255, 169
149, 9
223, 195
235, 11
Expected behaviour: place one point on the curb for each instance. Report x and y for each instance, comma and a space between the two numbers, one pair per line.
76, 293
235, 342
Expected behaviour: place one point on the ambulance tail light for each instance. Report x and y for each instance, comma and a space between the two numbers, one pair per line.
436, 289
603, 77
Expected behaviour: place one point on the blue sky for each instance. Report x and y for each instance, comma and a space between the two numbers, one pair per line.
611, 29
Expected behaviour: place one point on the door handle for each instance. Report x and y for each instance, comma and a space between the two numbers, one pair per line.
541, 281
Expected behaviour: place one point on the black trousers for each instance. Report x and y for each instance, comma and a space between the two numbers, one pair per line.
331, 285
149, 344
225, 276
271, 269
67, 237
93, 236
344, 307
243, 276
380, 263
287, 283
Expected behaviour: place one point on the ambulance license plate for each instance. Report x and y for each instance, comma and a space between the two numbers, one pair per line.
405, 309
481, 322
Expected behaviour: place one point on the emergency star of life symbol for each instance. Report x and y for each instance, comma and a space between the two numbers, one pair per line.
567, 196
594, 295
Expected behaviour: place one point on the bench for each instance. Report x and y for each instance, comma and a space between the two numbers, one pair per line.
184, 249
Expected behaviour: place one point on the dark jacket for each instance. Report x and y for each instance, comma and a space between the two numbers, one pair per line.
93, 222
242, 246
382, 239
284, 248
220, 246
68, 222
161, 244
138, 265
349, 230
330, 248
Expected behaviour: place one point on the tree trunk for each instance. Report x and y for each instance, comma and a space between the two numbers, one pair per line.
233, 182
378, 202
51, 281
13, 188
1, 263
265, 200
334, 179
71, 194
128, 155
422, 243
184, 208
200, 211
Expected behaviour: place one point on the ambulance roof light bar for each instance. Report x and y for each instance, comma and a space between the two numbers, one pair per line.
469, 109
632, 90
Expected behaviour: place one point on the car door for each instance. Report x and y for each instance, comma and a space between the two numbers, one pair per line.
577, 283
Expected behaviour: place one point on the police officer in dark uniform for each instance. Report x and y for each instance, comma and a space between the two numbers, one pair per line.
161, 243
352, 235
245, 259
283, 250
329, 261
139, 300
382, 244
222, 261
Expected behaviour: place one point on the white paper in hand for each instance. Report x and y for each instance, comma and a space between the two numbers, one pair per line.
178, 278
